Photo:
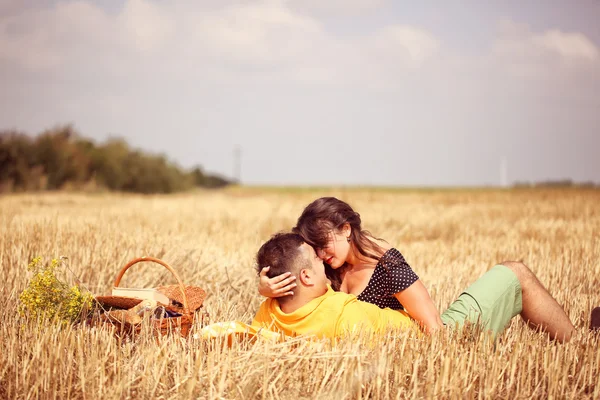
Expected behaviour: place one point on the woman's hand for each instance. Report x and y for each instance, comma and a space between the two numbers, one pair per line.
278, 286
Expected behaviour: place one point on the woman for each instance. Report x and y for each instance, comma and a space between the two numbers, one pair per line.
360, 264
357, 263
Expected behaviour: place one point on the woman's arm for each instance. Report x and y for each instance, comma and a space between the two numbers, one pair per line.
420, 307
278, 286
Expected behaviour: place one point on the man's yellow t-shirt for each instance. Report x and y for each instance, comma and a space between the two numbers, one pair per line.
332, 315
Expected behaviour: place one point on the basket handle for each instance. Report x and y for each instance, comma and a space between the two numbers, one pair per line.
164, 264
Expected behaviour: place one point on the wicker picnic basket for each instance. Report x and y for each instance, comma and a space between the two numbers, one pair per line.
184, 302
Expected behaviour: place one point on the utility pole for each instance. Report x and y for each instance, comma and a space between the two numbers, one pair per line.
503, 172
237, 164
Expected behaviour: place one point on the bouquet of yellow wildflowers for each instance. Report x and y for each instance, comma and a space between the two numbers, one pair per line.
49, 297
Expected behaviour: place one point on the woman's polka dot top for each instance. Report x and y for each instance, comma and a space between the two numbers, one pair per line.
392, 275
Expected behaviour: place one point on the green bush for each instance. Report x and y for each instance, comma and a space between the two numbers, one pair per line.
60, 158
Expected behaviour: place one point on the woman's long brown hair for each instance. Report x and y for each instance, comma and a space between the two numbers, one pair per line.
325, 214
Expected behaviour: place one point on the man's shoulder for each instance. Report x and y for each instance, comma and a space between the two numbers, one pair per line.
346, 304
262, 314
340, 297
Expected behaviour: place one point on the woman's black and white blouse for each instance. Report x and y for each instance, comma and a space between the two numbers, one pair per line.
392, 275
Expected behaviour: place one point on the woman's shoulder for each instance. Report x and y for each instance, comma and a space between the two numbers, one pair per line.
392, 257
396, 272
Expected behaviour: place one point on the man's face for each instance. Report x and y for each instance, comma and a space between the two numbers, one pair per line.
318, 269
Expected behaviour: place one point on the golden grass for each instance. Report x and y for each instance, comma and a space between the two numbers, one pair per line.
449, 237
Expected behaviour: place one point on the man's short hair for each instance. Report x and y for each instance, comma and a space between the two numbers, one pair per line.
282, 253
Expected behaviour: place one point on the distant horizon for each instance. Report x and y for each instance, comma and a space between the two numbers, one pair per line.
358, 186
548, 183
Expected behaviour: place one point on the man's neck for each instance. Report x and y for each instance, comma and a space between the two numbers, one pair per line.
298, 300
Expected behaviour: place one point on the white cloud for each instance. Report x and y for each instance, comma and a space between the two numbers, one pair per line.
268, 41
571, 45
247, 37
47, 39
336, 7
17, 41
147, 25
543, 55
406, 43
255, 34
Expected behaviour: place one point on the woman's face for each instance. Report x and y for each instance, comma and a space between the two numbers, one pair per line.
336, 251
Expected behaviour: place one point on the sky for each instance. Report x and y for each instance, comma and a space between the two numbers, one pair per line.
313, 92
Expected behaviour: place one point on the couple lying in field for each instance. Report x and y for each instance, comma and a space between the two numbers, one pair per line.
329, 277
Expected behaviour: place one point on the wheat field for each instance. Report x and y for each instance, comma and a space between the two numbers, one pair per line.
449, 237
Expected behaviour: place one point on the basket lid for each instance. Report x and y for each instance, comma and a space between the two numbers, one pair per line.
195, 295
118, 301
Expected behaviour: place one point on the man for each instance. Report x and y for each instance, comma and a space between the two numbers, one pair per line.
316, 309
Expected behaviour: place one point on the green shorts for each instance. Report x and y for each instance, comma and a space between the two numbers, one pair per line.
492, 301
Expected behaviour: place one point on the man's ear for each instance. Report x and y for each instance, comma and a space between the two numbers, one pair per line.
306, 277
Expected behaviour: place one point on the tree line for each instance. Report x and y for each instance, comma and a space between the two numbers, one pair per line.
559, 183
60, 158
